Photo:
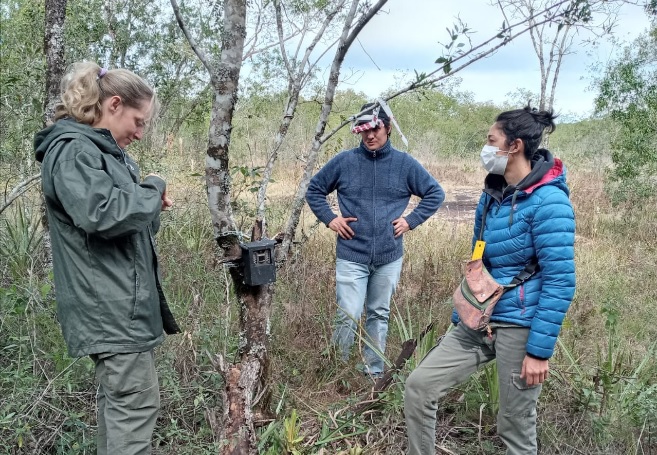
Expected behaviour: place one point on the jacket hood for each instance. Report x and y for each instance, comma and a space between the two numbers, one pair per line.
67, 128
545, 170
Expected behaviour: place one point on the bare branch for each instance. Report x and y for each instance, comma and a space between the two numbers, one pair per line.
346, 39
192, 43
563, 46
362, 22
551, 45
18, 190
250, 43
430, 81
279, 29
295, 84
319, 57
327, 21
485, 44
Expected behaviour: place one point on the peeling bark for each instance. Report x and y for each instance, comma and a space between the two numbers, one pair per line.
54, 50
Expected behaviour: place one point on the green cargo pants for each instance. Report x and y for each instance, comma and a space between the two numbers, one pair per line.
128, 402
460, 354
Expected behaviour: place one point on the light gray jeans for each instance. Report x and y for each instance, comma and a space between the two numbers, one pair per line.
460, 354
128, 402
359, 285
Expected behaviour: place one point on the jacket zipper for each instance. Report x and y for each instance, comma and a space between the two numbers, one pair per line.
123, 156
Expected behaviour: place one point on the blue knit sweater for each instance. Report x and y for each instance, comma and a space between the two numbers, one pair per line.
375, 187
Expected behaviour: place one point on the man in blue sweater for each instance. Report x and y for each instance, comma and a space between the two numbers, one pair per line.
374, 183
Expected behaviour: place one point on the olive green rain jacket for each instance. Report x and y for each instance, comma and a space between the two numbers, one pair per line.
102, 219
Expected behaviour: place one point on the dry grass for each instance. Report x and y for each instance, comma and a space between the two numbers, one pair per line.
615, 257
305, 301
434, 252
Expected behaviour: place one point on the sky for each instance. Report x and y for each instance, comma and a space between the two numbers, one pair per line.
405, 37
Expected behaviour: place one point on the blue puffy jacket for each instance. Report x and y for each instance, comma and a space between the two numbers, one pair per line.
532, 220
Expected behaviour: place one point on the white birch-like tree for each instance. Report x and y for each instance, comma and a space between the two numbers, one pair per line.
554, 41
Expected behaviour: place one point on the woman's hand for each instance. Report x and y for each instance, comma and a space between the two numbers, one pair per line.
167, 202
534, 371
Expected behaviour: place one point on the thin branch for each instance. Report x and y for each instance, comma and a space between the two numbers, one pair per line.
486, 43
279, 29
18, 190
347, 37
192, 43
557, 68
257, 28
259, 50
327, 21
368, 55
319, 57
49, 385
362, 22
295, 84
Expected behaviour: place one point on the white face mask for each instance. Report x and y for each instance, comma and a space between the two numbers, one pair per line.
491, 161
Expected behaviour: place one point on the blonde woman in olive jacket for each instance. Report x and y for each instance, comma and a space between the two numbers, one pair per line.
102, 219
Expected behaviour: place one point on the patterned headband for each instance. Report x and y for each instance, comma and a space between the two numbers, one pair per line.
371, 121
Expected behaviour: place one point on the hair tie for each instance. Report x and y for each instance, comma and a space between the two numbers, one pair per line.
102, 72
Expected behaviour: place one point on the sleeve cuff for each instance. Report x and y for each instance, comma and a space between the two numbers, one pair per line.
537, 357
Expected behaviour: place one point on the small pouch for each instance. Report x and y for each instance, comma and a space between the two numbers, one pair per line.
475, 297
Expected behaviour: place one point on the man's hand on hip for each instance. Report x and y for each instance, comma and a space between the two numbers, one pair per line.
341, 226
400, 225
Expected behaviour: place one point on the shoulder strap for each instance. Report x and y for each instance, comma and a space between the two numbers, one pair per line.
483, 218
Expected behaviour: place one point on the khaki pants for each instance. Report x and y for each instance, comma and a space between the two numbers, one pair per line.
460, 354
128, 402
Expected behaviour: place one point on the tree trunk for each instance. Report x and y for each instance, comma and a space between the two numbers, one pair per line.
54, 50
245, 380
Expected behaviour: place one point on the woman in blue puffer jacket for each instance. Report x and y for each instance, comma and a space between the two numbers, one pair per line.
530, 220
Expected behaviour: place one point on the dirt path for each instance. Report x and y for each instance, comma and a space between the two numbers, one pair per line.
459, 206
